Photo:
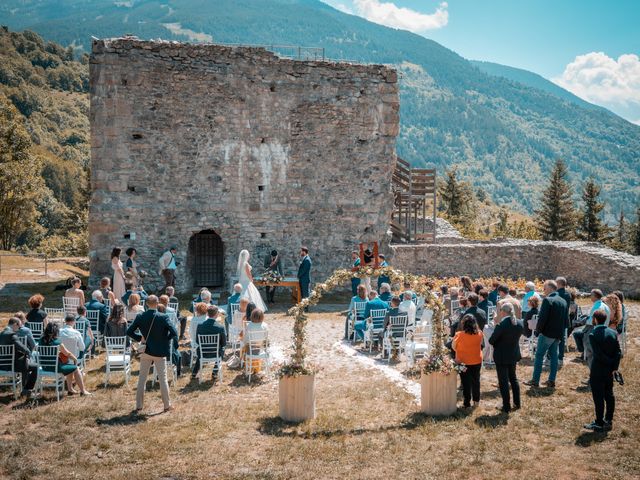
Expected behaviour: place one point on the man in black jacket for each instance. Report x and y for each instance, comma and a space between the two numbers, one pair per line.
478, 313
606, 360
210, 327
157, 330
566, 296
506, 354
29, 371
550, 330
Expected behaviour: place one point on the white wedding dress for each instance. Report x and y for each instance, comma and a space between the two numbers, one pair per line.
249, 290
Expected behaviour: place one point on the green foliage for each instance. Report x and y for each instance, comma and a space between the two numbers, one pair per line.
557, 215
457, 201
635, 241
590, 227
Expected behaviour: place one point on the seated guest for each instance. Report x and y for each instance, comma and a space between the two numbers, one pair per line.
506, 297
493, 294
394, 310
533, 309
506, 354
164, 300
88, 333
529, 291
210, 327
409, 307
117, 323
130, 290
359, 298
21, 354
199, 317
484, 303
105, 288
37, 314
203, 296
96, 304
171, 293
234, 299
407, 288
75, 291
24, 333
580, 335
467, 344
606, 360
176, 356
615, 307
133, 307
71, 338
67, 362
620, 326
467, 286
385, 292
374, 303
256, 323
478, 314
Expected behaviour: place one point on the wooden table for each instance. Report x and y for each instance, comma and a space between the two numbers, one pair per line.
289, 282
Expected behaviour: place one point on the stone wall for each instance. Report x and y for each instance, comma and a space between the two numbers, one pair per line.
586, 265
266, 152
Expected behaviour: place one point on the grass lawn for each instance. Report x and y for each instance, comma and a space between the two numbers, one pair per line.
367, 426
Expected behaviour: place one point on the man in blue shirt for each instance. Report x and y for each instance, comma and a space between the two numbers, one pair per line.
581, 335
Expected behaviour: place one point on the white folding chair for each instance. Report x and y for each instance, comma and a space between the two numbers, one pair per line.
36, 329
419, 344
395, 335
82, 326
70, 305
375, 325
455, 306
256, 342
7, 369
170, 368
55, 315
357, 314
623, 335
532, 340
487, 352
48, 375
491, 314
174, 305
209, 346
427, 316
94, 322
235, 330
107, 303
118, 358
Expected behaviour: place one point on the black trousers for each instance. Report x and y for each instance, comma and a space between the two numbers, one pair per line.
602, 393
29, 372
271, 293
183, 326
471, 384
507, 375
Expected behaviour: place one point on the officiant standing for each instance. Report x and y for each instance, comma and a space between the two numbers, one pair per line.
304, 272
272, 263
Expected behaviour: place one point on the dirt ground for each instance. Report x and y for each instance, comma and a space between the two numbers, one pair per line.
367, 426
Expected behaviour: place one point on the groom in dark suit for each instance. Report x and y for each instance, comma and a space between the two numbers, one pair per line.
304, 271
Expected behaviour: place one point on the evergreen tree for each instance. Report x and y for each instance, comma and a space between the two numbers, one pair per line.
590, 226
457, 200
557, 215
635, 243
502, 228
621, 239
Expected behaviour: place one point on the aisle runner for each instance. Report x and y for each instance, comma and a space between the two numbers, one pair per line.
413, 388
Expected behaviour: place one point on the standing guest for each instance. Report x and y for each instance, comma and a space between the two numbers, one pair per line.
529, 291
75, 291
506, 297
478, 313
385, 292
156, 331
168, 266
105, 288
199, 316
118, 273
131, 265
506, 355
534, 309
620, 327
272, 263
117, 323
355, 281
21, 354
133, 307
67, 361
304, 272
484, 303
581, 335
210, 327
96, 304
493, 295
606, 360
549, 329
467, 344
467, 286
615, 308
360, 297
37, 314
24, 333
566, 296
88, 339
382, 279
409, 307
131, 289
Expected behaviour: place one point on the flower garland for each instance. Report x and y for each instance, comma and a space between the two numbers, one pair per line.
438, 361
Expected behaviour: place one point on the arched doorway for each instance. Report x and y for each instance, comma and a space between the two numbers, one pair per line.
207, 253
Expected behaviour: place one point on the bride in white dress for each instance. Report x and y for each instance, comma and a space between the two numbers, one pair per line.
245, 278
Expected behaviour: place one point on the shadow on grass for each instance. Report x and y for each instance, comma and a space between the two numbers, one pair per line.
586, 439
278, 427
195, 386
492, 421
241, 381
131, 418
541, 392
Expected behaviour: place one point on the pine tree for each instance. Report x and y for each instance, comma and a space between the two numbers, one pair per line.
557, 215
590, 226
502, 228
635, 241
457, 200
621, 239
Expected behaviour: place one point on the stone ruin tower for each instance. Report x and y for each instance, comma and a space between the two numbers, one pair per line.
214, 149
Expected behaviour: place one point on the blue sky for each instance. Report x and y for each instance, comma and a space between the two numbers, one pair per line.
589, 47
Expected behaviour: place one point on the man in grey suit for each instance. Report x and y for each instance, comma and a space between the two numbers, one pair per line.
157, 331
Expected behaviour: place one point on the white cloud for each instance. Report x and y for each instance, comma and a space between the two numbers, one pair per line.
342, 7
389, 14
605, 81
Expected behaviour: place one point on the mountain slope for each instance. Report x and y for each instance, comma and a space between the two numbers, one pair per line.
505, 135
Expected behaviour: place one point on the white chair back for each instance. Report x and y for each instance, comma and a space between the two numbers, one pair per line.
94, 316
256, 341
234, 308
491, 313
70, 305
82, 326
48, 357
358, 310
36, 329
118, 358
174, 305
7, 359
427, 315
398, 325
209, 346
115, 345
55, 314
377, 318
455, 305
533, 323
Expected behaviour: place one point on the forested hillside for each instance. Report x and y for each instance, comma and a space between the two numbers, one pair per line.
504, 135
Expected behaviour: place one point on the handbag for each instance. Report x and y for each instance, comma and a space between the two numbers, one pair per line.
143, 344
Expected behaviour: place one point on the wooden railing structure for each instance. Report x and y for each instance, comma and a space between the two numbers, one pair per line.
412, 190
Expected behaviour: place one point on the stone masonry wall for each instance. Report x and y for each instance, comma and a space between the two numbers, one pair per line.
586, 265
267, 152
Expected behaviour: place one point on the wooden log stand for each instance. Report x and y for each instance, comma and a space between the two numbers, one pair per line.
297, 398
438, 393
